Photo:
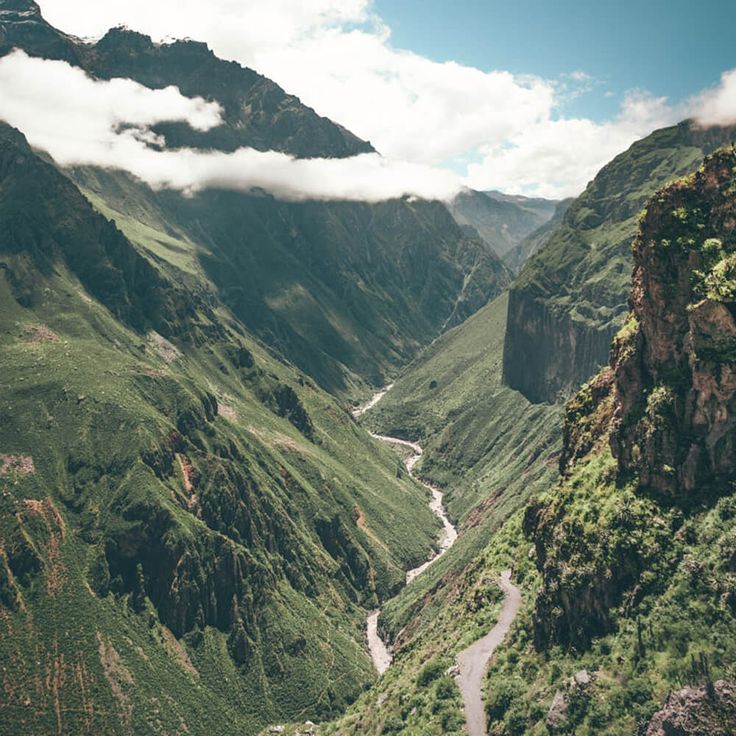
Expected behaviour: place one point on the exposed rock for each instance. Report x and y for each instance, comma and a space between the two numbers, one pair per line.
453, 671
582, 679
666, 406
675, 378
696, 712
557, 714
570, 298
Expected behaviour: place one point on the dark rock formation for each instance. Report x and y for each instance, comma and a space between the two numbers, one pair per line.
675, 382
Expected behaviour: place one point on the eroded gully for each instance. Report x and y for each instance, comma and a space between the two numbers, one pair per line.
474, 660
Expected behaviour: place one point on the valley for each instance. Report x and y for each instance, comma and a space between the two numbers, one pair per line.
300, 437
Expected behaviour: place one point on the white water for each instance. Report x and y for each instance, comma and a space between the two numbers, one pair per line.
380, 653
374, 400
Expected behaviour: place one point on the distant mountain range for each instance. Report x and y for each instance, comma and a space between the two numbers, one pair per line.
194, 525
502, 220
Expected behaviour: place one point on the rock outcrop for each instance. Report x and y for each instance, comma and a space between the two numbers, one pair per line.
705, 711
571, 297
654, 432
675, 374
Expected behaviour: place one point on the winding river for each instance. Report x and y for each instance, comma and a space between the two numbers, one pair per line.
379, 651
473, 661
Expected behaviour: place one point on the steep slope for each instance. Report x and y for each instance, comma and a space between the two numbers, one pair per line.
635, 549
535, 241
346, 291
190, 530
257, 112
570, 298
483, 441
629, 586
502, 221
540, 206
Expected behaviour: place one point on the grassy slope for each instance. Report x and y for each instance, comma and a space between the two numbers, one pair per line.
658, 644
585, 267
95, 405
504, 450
346, 291
620, 581
482, 440
488, 446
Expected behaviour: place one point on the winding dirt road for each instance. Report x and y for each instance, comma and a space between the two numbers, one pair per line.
474, 661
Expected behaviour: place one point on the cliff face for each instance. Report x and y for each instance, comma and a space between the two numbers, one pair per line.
675, 387
548, 354
570, 298
652, 439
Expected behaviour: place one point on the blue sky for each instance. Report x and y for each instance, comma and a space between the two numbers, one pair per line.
672, 48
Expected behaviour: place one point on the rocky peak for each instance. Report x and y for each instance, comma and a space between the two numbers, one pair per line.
675, 367
19, 7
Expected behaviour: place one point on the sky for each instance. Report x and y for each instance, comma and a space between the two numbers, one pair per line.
672, 48
530, 97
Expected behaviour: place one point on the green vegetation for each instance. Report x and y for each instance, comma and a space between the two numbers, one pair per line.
488, 447
348, 292
503, 221
190, 530
570, 298
481, 439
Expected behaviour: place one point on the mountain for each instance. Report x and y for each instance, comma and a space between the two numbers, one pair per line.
535, 241
178, 506
570, 298
481, 439
503, 221
345, 291
626, 564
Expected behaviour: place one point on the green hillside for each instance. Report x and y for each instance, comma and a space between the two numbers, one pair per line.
191, 530
348, 292
625, 565
503, 221
570, 298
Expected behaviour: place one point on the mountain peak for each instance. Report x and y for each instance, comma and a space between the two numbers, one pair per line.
20, 6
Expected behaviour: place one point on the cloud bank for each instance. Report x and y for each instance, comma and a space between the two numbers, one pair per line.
83, 121
338, 57
495, 129
717, 106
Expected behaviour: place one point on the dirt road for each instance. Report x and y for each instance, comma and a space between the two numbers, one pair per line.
474, 660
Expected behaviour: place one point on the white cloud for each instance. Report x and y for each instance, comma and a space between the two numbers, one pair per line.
65, 111
338, 57
555, 158
81, 121
717, 106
